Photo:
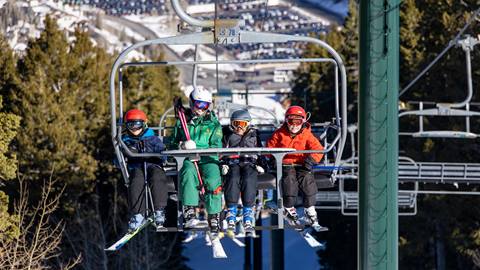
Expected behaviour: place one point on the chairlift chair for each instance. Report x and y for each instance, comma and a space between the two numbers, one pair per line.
227, 32
459, 109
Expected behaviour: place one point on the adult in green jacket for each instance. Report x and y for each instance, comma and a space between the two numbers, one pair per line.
205, 132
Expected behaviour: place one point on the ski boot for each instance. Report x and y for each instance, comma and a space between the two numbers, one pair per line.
291, 216
312, 220
214, 223
231, 219
190, 217
159, 218
136, 222
249, 221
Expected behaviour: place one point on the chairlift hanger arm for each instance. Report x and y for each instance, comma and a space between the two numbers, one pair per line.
189, 19
445, 111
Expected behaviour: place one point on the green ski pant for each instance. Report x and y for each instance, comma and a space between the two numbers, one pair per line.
189, 183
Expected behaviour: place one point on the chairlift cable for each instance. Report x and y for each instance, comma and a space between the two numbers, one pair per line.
450, 45
261, 26
258, 50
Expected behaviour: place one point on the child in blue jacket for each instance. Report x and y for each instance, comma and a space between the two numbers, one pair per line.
140, 139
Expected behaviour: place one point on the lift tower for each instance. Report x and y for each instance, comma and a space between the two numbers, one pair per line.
378, 135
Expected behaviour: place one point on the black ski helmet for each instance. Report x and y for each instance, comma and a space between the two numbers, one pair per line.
241, 114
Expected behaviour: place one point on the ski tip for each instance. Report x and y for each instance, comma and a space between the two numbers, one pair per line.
320, 229
110, 249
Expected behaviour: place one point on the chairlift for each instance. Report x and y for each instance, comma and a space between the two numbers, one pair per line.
226, 32
413, 178
460, 109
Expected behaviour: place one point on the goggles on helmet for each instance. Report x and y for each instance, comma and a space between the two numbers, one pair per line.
135, 125
240, 123
201, 105
295, 121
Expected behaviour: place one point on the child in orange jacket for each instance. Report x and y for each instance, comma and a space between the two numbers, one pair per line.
297, 168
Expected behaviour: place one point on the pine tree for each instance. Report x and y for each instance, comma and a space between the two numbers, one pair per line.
151, 89
10, 124
53, 125
61, 92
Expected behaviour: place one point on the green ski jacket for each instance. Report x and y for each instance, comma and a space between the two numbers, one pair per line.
205, 130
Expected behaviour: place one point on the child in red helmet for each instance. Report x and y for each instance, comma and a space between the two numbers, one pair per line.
140, 139
297, 168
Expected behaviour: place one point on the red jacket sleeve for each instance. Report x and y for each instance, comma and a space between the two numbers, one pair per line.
273, 141
314, 144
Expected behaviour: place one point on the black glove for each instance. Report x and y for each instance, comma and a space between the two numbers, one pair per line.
309, 163
133, 148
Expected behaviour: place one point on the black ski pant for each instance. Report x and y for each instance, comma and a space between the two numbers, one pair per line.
241, 179
157, 181
295, 179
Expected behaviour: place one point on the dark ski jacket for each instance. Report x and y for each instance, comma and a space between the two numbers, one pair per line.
148, 142
249, 139
205, 130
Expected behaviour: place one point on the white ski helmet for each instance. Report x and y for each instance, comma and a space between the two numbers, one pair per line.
200, 96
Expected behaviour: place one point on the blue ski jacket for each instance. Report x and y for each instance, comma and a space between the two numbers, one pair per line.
148, 142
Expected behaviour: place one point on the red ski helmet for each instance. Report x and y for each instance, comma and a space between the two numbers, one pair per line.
296, 110
135, 114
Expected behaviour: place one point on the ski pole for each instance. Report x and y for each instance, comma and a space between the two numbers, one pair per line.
183, 122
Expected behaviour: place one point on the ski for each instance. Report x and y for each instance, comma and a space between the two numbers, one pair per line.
304, 231
217, 248
129, 235
231, 234
236, 240
311, 241
318, 228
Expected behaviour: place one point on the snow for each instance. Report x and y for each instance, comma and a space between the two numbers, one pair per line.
120, 28
67, 22
180, 49
135, 55
263, 101
19, 47
209, 56
107, 35
305, 13
160, 25
41, 9
205, 8
129, 32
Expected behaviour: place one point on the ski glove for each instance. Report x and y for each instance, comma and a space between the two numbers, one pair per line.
309, 163
225, 169
260, 170
188, 145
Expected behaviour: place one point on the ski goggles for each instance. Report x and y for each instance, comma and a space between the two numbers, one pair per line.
135, 125
295, 121
201, 105
240, 123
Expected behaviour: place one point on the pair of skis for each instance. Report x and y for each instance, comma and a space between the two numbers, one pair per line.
304, 231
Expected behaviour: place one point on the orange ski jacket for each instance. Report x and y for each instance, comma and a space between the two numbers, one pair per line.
304, 140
